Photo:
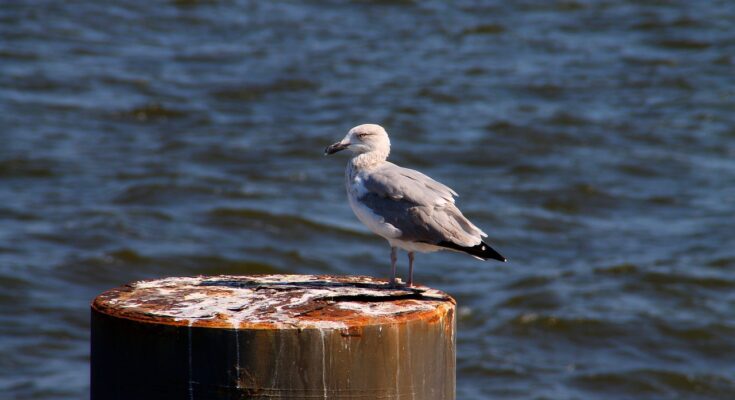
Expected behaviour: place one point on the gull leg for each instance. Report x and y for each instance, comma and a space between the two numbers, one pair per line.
410, 268
393, 258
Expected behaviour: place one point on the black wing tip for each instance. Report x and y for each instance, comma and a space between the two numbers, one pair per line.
482, 250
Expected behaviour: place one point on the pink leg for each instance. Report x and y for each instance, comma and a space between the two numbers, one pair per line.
393, 259
410, 268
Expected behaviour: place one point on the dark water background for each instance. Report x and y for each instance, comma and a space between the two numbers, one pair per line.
593, 140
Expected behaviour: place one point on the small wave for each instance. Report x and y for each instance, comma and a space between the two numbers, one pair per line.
566, 118
387, 2
708, 334
8, 54
219, 153
27, 168
537, 301
638, 170
249, 92
649, 61
549, 224
484, 29
437, 96
678, 279
722, 262
545, 90
18, 215
14, 281
579, 198
658, 24
663, 200
216, 265
493, 371
116, 266
243, 218
657, 382
620, 269
683, 44
525, 169
14, 287
158, 193
128, 256
534, 324
38, 82
529, 282
532, 136
154, 111
723, 60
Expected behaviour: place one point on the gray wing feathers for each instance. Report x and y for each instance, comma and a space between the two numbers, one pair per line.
396, 182
422, 208
446, 224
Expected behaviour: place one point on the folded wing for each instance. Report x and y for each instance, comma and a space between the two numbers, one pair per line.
422, 208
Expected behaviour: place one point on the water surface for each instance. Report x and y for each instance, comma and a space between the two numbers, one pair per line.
593, 141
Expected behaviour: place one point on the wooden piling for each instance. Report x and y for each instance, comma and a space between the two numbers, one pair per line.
272, 337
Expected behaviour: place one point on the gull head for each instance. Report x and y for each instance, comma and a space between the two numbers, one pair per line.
361, 139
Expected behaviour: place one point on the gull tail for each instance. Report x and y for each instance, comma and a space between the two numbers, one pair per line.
482, 251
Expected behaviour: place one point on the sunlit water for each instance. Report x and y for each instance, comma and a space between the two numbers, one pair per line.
593, 141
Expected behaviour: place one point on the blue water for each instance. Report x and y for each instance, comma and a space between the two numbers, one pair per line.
593, 140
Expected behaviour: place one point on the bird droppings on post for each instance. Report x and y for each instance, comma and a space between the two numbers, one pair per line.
274, 336
269, 301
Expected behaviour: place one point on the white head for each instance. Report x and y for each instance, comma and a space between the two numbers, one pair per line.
366, 138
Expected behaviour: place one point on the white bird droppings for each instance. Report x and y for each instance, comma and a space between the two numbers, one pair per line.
268, 301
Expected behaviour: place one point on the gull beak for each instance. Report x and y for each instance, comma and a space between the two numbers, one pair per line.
335, 148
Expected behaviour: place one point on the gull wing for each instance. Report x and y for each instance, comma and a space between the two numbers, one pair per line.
420, 207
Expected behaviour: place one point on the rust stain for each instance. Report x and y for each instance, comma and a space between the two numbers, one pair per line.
274, 301
352, 331
248, 383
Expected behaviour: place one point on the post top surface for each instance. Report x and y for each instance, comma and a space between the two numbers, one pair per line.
272, 301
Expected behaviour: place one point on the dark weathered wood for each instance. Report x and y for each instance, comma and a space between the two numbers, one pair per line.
272, 337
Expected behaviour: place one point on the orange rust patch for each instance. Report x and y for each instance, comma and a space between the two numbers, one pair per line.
352, 331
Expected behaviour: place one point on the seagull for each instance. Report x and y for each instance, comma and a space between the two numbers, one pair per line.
407, 208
